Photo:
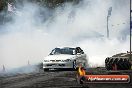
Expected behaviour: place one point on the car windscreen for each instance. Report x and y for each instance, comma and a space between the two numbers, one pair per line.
70, 51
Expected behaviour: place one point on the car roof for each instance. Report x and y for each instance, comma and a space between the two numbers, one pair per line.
65, 47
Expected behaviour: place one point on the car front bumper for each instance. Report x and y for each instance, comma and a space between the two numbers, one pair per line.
58, 65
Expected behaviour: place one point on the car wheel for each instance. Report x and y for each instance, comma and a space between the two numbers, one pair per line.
119, 62
74, 65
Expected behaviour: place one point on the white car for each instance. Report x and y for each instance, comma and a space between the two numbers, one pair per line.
65, 58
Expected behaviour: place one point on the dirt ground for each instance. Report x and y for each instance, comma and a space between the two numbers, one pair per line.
55, 79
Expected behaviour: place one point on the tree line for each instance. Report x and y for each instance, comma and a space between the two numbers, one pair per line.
45, 3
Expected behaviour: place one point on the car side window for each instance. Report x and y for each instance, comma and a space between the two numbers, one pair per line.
79, 50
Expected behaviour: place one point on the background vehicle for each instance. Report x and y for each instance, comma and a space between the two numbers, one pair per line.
121, 61
65, 58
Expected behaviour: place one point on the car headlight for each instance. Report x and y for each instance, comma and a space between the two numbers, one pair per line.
46, 60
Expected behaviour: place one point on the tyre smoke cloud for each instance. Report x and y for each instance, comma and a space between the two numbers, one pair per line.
34, 31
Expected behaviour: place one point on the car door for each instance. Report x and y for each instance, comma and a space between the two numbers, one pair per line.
81, 57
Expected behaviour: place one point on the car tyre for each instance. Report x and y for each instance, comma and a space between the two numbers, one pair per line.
74, 65
120, 63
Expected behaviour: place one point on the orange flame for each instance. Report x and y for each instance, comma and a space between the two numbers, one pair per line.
81, 71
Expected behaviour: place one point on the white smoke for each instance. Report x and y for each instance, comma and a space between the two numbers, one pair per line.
30, 38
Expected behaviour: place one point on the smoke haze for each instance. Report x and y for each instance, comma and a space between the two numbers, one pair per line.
34, 31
